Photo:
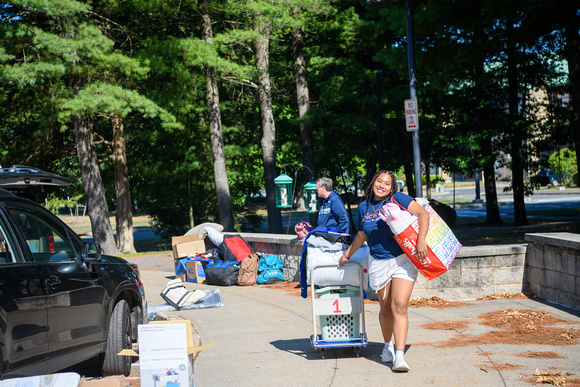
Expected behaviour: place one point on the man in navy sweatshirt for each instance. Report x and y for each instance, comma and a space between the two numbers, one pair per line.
331, 213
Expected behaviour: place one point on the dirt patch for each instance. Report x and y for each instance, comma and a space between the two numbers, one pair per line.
518, 327
501, 296
540, 355
447, 325
435, 302
291, 287
529, 326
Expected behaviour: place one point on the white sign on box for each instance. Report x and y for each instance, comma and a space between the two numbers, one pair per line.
163, 356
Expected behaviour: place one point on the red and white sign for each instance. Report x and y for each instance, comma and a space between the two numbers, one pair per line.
411, 115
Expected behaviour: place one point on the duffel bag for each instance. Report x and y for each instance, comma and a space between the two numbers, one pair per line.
269, 270
222, 273
234, 247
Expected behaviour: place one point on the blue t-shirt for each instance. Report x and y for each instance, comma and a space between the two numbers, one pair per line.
332, 213
380, 239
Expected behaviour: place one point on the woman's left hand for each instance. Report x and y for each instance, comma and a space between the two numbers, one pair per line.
423, 218
421, 249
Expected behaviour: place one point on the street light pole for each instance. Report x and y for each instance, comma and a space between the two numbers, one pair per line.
413, 89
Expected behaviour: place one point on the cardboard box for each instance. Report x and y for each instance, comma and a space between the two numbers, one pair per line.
195, 272
158, 346
188, 331
166, 354
187, 245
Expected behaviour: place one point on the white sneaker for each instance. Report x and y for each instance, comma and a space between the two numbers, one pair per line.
388, 355
401, 365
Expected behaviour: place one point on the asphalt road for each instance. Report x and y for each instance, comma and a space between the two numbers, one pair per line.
544, 199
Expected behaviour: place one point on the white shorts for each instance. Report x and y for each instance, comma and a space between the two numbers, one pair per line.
381, 271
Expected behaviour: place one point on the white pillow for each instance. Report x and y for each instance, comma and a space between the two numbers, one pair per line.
214, 235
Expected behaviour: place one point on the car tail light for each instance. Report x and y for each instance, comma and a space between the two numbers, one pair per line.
135, 269
139, 283
51, 247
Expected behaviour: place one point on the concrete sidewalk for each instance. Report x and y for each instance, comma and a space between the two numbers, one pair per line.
262, 338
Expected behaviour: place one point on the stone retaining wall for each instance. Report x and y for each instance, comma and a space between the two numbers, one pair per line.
553, 267
477, 271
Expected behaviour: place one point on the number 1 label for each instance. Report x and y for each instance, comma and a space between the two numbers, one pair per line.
335, 304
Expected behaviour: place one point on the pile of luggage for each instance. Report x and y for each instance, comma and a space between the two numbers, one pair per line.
232, 262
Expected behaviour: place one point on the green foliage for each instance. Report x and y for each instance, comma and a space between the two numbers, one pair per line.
435, 179
145, 60
60, 8
564, 161
57, 204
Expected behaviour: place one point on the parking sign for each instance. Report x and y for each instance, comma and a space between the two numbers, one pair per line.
411, 115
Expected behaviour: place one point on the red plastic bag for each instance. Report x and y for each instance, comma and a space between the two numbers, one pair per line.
302, 229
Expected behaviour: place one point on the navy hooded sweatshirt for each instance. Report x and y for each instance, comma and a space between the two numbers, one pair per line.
332, 213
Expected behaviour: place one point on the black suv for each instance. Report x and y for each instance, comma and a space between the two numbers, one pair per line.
61, 301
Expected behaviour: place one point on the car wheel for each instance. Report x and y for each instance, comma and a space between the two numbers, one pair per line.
119, 338
555, 182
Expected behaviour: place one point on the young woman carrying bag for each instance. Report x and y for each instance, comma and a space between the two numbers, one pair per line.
391, 274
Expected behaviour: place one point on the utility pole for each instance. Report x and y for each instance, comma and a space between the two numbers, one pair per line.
413, 89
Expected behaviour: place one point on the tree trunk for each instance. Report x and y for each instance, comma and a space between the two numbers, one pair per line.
190, 202
303, 99
520, 218
482, 123
124, 214
268, 128
93, 185
217, 142
573, 56
491, 203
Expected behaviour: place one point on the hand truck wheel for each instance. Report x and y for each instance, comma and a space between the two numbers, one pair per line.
323, 353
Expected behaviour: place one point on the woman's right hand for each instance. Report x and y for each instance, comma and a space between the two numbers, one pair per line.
342, 261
